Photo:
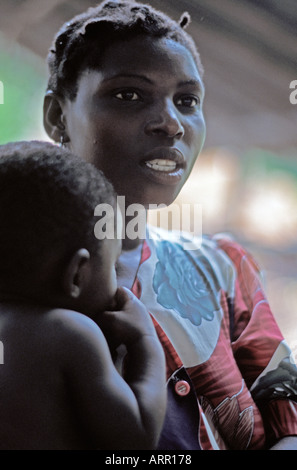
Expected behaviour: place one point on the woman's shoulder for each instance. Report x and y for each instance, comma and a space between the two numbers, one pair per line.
197, 244
193, 243
219, 254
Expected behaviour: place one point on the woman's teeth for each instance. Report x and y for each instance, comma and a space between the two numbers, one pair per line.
161, 165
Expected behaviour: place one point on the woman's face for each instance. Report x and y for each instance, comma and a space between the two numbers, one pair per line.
139, 118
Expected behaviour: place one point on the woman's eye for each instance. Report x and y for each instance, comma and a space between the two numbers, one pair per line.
188, 101
127, 96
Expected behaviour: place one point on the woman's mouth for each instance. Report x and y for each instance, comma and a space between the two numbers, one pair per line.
161, 165
164, 165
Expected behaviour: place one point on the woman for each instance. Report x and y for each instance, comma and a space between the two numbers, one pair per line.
125, 92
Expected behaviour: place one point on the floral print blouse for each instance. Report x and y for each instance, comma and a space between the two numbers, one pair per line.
232, 382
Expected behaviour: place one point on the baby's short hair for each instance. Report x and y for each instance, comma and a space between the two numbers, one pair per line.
47, 202
73, 47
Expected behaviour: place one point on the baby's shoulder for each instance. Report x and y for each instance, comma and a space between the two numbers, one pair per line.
75, 337
69, 322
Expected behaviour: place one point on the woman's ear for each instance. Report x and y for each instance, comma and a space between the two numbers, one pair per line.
76, 273
53, 117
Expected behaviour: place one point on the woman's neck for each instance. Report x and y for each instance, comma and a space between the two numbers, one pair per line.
134, 226
129, 244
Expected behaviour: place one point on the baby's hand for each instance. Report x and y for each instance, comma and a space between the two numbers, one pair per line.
128, 322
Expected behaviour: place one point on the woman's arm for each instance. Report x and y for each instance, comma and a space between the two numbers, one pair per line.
261, 353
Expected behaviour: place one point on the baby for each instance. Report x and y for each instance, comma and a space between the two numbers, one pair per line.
59, 388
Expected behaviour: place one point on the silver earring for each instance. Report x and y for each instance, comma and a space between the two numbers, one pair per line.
62, 141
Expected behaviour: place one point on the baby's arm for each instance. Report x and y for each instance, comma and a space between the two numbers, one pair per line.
144, 366
119, 413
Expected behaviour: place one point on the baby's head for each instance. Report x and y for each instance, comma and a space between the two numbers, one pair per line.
48, 249
81, 42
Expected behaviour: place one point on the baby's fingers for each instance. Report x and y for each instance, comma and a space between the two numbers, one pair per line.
123, 295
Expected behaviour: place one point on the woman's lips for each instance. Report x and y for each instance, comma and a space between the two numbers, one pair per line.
164, 165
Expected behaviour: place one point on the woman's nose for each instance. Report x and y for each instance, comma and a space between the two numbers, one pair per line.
165, 121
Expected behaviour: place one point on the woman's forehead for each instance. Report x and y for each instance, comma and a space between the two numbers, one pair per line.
148, 56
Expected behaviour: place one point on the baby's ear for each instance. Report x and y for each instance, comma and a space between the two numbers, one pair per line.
76, 273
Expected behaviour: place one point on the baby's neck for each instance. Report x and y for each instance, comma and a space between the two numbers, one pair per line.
14, 297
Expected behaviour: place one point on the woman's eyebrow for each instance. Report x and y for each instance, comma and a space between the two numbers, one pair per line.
128, 75
191, 82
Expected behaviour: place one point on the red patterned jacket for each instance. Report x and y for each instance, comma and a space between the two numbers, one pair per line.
232, 383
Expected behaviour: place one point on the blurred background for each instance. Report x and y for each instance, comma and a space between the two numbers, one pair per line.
246, 177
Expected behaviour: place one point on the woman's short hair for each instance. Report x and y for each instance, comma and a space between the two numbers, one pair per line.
73, 47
